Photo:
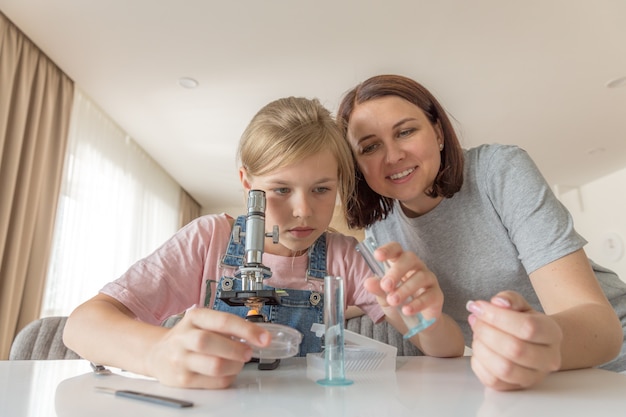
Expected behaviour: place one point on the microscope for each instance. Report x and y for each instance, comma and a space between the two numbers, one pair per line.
252, 272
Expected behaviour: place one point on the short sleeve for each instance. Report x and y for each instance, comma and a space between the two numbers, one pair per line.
538, 224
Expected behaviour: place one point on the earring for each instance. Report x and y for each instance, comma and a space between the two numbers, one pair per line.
441, 146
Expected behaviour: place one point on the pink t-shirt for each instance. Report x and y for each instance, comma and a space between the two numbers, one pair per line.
173, 278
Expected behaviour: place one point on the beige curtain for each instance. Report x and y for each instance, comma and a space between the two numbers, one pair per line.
35, 103
189, 208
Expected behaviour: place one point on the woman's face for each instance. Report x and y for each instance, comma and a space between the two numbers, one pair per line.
397, 150
300, 200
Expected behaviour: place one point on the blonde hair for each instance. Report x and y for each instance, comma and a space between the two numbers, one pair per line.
289, 130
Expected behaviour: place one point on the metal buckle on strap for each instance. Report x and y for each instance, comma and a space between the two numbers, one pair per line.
315, 298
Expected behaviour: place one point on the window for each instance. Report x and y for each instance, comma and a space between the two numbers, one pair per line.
116, 206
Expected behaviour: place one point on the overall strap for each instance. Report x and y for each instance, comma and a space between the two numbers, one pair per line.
236, 251
317, 258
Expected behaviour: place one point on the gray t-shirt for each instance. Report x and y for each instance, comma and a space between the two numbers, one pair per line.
503, 224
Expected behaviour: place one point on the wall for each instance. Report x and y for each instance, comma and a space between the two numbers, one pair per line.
231, 211
599, 212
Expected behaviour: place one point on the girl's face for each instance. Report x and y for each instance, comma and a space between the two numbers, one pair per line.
397, 150
300, 201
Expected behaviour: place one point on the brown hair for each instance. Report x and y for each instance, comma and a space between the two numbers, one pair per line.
287, 131
366, 206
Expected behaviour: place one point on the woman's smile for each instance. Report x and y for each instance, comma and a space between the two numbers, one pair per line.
400, 176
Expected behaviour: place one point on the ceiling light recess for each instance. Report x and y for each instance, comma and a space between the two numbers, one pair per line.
187, 82
616, 82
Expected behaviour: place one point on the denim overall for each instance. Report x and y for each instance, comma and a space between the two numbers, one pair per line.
298, 309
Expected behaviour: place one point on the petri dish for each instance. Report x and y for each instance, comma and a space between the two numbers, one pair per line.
285, 342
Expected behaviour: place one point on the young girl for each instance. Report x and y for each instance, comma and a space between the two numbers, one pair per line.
488, 228
294, 152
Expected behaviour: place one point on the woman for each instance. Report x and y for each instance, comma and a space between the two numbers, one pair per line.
486, 225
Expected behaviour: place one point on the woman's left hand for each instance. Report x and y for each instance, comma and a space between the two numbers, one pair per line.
514, 347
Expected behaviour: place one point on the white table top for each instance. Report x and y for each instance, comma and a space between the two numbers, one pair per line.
420, 386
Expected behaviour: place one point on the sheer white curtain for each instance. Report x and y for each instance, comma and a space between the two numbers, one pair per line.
116, 206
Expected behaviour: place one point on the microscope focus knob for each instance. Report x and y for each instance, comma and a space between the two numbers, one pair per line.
273, 235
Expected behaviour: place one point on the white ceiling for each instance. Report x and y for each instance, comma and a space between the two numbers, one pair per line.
531, 72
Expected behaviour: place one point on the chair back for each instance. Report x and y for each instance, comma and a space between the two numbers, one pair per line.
42, 339
382, 332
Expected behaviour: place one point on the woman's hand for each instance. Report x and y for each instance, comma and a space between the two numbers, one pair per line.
514, 346
198, 352
407, 278
409, 285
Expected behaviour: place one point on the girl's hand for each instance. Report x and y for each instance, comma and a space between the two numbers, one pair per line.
199, 351
514, 346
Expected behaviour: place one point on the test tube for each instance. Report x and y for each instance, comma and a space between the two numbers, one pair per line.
415, 323
334, 359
